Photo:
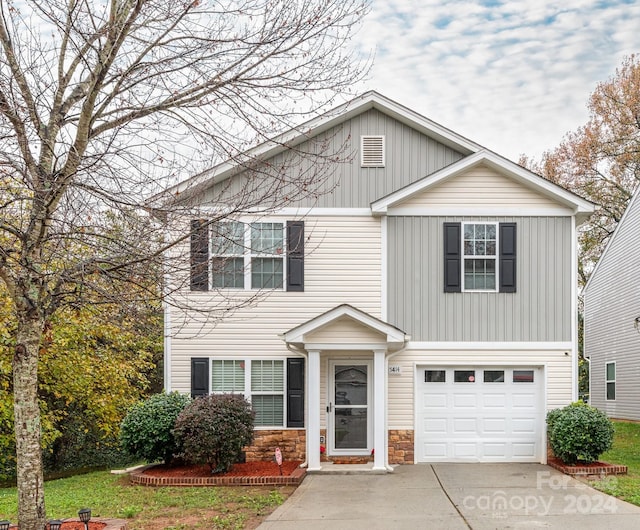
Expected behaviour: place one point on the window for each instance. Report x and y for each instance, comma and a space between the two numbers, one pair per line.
265, 388
372, 151
523, 376
480, 256
252, 255
434, 376
611, 381
464, 376
494, 376
227, 250
267, 392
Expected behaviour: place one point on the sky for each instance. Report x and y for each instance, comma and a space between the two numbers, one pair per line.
512, 76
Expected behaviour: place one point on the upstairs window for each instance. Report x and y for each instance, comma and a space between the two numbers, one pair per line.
236, 255
480, 256
372, 151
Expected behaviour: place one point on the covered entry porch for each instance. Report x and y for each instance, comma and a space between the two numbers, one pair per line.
347, 353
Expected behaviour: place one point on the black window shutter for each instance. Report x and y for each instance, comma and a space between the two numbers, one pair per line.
295, 392
452, 258
199, 376
507, 257
199, 255
295, 255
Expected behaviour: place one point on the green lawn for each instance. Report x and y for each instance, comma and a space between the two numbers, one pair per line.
626, 451
149, 508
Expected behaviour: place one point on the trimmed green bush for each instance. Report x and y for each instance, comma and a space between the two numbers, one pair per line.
146, 431
213, 430
579, 432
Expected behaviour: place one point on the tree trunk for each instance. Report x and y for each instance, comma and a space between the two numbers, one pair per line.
31, 510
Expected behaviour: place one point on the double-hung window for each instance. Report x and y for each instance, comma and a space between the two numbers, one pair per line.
227, 251
610, 376
262, 382
480, 256
267, 255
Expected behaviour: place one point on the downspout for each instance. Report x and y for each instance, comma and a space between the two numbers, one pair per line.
306, 359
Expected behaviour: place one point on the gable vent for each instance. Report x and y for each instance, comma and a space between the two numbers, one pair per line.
372, 151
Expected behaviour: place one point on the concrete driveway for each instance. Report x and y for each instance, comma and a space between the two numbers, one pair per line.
452, 496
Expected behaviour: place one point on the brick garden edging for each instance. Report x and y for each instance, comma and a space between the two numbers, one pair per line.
600, 468
139, 477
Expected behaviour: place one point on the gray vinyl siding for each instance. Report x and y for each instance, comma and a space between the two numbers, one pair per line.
335, 179
540, 310
611, 305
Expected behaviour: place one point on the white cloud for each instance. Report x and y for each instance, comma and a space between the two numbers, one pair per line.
513, 76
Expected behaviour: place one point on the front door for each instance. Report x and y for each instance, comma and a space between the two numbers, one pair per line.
350, 408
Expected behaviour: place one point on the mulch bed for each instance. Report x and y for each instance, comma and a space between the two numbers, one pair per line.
584, 469
249, 473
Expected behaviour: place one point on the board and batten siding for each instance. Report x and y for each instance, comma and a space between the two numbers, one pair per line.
401, 387
611, 305
480, 186
335, 179
342, 265
540, 310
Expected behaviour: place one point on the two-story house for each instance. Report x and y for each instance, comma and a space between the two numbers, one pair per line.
422, 309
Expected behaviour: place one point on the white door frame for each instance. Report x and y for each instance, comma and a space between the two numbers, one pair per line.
331, 407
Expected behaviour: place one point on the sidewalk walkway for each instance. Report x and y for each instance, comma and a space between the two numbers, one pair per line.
452, 496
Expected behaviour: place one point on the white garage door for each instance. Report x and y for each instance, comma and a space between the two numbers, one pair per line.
479, 414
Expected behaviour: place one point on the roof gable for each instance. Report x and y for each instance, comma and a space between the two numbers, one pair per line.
313, 127
535, 184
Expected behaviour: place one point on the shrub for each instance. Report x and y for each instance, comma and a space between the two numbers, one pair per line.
579, 432
146, 431
214, 429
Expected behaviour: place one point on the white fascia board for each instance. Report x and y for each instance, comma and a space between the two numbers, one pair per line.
576, 204
630, 206
310, 211
491, 346
486, 211
297, 135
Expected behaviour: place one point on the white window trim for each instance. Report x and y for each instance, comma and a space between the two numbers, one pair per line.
247, 393
495, 257
607, 381
248, 254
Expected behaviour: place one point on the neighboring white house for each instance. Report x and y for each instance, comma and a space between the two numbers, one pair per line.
422, 310
612, 321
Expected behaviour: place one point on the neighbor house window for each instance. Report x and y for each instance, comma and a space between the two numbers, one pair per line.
611, 381
265, 389
479, 253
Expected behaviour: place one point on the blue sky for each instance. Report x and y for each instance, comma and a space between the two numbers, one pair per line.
514, 76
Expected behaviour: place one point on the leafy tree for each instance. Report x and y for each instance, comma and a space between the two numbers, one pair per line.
93, 367
601, 160
104, 103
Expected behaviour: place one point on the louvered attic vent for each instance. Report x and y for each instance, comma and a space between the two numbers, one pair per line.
372, 151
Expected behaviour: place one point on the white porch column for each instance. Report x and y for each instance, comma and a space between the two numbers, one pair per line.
379, 410
313, 408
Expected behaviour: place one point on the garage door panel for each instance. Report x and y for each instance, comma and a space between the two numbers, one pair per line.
490, 419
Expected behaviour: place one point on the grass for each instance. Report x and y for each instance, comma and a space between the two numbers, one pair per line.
147, 508
625, 451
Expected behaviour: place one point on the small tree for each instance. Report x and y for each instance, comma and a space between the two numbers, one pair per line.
214, 429
146, 431
579, 432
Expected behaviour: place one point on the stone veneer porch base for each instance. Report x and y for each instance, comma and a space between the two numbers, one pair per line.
139, 477
597, 468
